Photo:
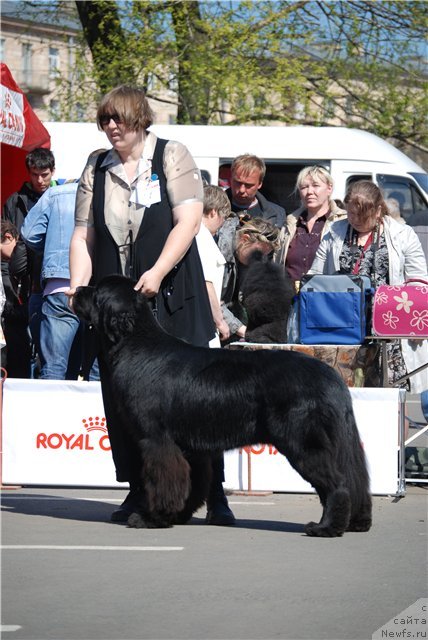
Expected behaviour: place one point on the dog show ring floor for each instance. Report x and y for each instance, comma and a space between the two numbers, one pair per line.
70, 574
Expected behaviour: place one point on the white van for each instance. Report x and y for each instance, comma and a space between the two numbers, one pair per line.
348, 154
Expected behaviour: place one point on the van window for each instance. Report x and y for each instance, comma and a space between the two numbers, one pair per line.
421, 179
356, 178
206, 176
407, 194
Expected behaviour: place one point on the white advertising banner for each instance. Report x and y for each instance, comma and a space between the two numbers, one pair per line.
54, 433
12, 122
377, 412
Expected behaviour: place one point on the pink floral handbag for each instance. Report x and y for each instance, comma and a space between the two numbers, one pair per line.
401, 310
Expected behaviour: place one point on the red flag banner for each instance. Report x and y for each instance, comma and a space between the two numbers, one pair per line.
21, 131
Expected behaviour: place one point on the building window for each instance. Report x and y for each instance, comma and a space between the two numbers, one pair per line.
71, 58
300, 110
329, 108
151, 82
53, 61
80, 112
26, 62
349, 106
172, 82
54, 109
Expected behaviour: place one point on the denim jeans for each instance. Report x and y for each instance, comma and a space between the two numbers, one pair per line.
35, 304
60, 340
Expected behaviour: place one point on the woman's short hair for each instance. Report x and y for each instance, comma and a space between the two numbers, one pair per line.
248, 163
315, 172
130, 104
216, 198
365, 198
260, 230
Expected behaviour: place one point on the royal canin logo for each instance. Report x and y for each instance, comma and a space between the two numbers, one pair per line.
259, 449
89, 441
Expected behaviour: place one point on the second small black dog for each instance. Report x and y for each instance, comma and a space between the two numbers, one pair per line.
267, 294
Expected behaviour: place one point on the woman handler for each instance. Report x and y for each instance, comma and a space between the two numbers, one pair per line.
138, 209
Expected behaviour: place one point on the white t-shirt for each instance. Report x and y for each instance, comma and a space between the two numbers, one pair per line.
213, 263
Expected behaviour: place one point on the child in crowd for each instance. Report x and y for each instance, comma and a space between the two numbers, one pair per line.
216, 210
16, 356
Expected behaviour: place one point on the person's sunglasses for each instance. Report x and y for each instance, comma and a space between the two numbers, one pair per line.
105, 119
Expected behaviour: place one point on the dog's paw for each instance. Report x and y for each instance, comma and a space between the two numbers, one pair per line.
181, 518
136, 521
148, 521
360, 525
318, 530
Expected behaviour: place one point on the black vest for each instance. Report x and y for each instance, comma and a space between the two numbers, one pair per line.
182, 302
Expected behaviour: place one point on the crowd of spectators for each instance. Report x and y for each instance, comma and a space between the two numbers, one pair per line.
141, 209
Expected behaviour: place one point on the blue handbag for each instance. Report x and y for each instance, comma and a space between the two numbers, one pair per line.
334, 309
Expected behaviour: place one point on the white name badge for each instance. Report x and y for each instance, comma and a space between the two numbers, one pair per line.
147, 193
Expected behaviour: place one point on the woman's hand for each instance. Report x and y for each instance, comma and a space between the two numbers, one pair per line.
187, 218
223, 330
241, 331
149, 283
70, 293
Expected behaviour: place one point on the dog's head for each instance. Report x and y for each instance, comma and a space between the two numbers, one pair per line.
267, 292
112, 307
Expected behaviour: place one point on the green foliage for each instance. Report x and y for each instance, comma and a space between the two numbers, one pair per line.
279, 61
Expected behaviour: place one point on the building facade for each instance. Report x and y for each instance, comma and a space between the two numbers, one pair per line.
43, 53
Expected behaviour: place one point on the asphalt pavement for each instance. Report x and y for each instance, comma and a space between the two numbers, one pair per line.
69, 574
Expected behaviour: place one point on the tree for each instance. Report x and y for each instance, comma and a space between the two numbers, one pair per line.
104, 34
220, 61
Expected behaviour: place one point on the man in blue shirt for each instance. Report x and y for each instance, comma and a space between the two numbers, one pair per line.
47, 229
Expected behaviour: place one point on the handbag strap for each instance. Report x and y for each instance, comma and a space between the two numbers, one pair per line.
416, 280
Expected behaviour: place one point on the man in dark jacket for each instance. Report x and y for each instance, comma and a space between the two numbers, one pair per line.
16, 355
247, 174
40, 165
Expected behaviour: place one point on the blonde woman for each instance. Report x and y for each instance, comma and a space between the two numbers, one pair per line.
308, 225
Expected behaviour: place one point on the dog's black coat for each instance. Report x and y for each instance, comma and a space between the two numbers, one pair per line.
267, 293
178, 399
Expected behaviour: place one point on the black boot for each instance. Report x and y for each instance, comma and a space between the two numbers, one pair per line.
128, 506
219, 512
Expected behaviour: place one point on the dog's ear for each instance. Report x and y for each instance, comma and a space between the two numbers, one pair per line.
117, 326
83, 304
118, 311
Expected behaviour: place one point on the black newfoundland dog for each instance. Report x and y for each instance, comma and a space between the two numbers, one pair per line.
182, 402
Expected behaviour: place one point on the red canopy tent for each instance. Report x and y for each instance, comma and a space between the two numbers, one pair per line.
20, 132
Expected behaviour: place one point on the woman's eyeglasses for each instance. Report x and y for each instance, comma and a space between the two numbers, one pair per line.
105, 119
